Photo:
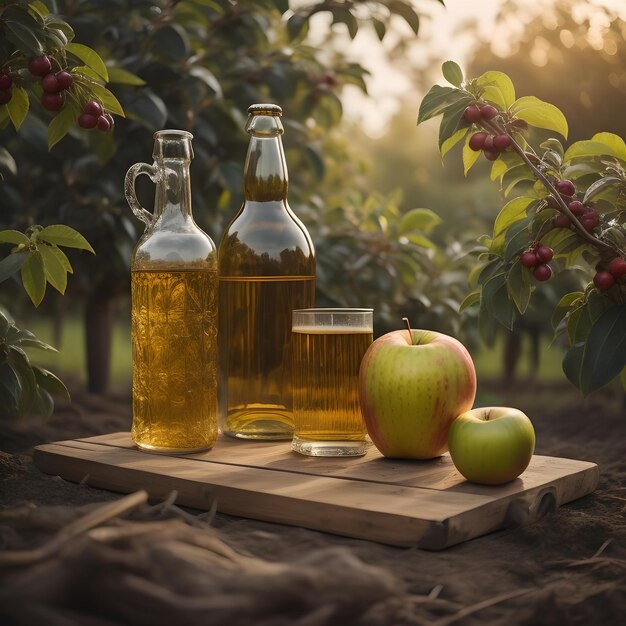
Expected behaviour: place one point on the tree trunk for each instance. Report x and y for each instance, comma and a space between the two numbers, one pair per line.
98, 334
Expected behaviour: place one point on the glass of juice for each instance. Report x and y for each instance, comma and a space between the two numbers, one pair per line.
328, 345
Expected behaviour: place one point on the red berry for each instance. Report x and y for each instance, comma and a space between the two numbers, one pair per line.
501, 142
528, 259
5, 82
65, 79
109, 117
103, 124
576, 207
603, 280
590, 220
5, 96
544, 253
477, 141
93, 108
488, 143
491, 155
330, 79
472, 114
488, 112
87, 121
52, 101
566, 187
542, 272
617, 267
39, 66
50, 83
561, 221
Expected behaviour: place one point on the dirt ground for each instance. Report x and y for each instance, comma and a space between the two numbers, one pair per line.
568, 568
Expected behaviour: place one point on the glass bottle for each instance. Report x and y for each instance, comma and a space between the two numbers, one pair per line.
266, 268
174, 309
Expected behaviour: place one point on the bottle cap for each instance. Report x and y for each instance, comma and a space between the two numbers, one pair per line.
265, 109
264, 120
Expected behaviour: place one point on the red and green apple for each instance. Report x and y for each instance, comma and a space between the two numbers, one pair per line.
411, 388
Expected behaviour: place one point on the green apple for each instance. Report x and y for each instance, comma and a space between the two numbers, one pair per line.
411, 387
491, 445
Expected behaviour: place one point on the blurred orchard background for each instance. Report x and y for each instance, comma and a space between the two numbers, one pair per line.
350, 76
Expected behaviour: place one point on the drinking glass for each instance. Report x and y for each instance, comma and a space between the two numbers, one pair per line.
328, 345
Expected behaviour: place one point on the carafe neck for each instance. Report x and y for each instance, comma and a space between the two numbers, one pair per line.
172, 201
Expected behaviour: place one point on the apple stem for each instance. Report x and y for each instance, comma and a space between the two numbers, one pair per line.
408, 327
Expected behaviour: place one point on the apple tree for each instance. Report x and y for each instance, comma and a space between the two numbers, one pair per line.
565, 212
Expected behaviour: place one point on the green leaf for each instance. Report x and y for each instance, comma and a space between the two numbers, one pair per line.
564, 305
380, 28
472, 299
298, 26
419, 219
60, 125
50, 382
540, 114
10, 389
511, 212
598, 187
20, 364
108, 100
452, 120
171, 41
496, 298
54, 267
614, 142
420, 240
21, 29
18, 106
519, 286
449, 143
605, 350
12, 264
436, 100
504, 163
469, 157
344, 15
13, 236
587, 148
123, 77
553, 144
572, 363
452, 73
62, 235
34, 277
497, 88
406, 11
43, 404
89, 57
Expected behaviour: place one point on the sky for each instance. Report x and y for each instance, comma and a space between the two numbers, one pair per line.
439, 39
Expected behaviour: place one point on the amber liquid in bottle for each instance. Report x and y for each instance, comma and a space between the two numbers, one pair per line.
266, 269
174, 371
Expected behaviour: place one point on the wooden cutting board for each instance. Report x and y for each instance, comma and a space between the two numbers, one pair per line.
406, 503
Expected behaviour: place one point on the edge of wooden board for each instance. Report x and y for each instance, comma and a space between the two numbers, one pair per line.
400, 527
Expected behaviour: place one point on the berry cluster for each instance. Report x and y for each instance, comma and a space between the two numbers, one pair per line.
491, 145
607, 275
93, 116
587, 215
52, 83
537, 260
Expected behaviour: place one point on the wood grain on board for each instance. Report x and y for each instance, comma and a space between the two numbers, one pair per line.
407, 503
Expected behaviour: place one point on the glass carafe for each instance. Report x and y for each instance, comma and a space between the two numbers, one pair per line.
174, 309
266, 269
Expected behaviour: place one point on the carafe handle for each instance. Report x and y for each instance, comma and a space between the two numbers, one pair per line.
129, 189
